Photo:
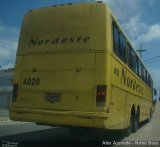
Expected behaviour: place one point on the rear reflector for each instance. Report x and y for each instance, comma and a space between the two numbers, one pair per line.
15, 91
101, 95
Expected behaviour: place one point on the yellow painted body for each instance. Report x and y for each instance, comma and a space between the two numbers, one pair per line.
69, 48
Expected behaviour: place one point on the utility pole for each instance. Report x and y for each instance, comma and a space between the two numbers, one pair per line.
141, 50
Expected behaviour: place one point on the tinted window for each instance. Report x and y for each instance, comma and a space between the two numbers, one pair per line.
122, 47
126, 53
115, 39
133, 60
151, 83
143, 73
129, 56
140, 69
146, 75
119, 43
137, 66
147, 79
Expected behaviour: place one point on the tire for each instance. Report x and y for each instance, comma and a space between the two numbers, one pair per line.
129, 129
135, 123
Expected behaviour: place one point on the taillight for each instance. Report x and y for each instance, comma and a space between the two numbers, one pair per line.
101, 95
15, 91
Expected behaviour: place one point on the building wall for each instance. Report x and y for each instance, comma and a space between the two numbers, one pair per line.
5, 99
6, 88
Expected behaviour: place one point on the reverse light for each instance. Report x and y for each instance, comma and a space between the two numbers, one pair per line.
101, 95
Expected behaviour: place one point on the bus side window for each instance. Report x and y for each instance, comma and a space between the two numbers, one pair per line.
116, 40
144, 70
137, 66
150, 82
122, 47
146, 77
140, 69
133, 60
119, 43
129, 56
143, 73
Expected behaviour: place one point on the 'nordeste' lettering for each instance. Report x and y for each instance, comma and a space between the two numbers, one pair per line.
129, 82
58, 40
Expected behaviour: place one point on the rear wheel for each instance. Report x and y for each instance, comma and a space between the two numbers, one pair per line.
129, 129
135, 123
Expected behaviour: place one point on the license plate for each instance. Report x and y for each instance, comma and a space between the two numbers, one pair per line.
53, 97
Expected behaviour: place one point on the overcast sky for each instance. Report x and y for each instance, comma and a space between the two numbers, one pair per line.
139, 18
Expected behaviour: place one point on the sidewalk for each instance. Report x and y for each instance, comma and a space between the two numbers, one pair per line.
4, 113
4, 117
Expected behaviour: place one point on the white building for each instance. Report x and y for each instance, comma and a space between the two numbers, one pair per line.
6, 87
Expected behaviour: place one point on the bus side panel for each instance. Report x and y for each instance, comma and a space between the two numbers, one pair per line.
145, 109
118, 107
118, 97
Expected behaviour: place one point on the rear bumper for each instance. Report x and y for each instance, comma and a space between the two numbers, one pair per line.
60, 118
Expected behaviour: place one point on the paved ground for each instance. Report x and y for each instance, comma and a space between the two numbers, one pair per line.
4, 117
32, 133
149, 131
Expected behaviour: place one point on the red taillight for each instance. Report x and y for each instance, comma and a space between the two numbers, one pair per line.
101, 95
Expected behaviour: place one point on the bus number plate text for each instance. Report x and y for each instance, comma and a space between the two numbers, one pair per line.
31, 81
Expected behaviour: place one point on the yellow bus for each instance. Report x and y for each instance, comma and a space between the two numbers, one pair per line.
75, 67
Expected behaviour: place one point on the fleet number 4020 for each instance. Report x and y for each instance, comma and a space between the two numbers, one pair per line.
31, 81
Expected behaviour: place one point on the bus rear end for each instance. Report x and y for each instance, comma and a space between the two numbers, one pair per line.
61, 65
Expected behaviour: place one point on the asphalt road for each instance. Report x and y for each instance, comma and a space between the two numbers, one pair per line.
37, 135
